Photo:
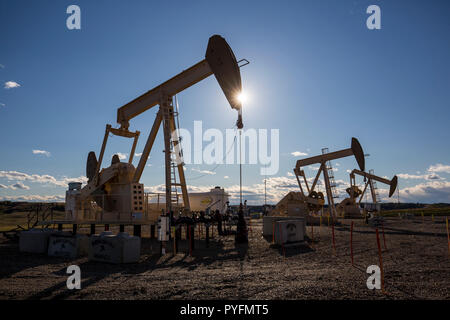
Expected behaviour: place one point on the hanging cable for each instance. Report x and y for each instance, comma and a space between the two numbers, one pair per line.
217, 165
240, 164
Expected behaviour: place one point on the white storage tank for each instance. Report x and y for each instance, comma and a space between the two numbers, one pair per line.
72, 208
215, 199
122, 248
64, 244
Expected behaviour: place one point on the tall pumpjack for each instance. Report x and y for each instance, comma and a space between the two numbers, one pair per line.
220, 61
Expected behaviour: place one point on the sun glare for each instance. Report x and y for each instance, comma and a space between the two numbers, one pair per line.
242, 97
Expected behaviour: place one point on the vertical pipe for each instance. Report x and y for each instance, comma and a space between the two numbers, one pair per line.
190, 241
281, 240
448, 236
332, 233
152, 231
351, 242
273, 232
137, 230
384, 237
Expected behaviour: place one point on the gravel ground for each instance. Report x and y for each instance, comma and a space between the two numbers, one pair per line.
416, 266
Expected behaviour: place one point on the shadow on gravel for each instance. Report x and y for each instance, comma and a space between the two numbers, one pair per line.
13, 261
93, 272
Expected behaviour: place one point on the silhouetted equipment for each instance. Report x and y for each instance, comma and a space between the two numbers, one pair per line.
116, 189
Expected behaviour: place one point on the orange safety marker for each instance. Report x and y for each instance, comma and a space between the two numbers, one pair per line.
273, 232
380, 260
448, 236
351, 242
384, 238
190, 241
320, 224
281, 240
334, 242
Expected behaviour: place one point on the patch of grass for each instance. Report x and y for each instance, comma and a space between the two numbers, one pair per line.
427, 211
10, 221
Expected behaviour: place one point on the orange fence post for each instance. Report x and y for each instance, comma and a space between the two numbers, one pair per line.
190, 241
273, 232
281, 240
320, 224
380, 259
448, 236
334, 242
351, 241
384, 238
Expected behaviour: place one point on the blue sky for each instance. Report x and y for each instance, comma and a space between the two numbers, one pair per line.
317, 74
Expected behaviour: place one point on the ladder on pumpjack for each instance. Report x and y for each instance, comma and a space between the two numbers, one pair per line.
175, 185
375, 188
329, 169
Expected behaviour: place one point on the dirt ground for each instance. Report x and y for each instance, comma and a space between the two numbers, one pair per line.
416, 266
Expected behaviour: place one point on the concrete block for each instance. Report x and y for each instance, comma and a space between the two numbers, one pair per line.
268, 223
64, 244
290, 231
122, 248
35, 240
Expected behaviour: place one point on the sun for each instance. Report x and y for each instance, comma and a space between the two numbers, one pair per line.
242, 97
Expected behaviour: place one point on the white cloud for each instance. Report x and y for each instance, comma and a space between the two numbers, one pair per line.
2, 104
2, 66
122, 156
431, 176
34, 197
11, 84
428, 192
298, 153
46, 153
290, 174
44, 179
203, 171
138, 154
439, 168
19, 185
226, 177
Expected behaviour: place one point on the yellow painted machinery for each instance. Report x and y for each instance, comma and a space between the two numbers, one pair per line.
114, 194
305, 203
351, 207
